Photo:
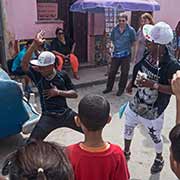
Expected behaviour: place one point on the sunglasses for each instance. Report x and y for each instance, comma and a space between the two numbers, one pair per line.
122, 20
59, 33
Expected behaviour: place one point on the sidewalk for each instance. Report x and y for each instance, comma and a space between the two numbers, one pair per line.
92, 76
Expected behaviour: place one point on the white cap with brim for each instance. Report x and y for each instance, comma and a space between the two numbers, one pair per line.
46, 58
160, 33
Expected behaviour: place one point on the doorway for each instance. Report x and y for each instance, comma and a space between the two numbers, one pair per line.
80, 31
76, 26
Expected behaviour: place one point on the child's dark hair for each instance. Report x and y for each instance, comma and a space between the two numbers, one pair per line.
58, 29
174, 137
94, 112
38, 161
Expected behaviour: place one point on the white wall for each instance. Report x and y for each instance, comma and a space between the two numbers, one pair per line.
170, 12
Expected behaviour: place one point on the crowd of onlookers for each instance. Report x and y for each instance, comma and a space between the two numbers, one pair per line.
94, 158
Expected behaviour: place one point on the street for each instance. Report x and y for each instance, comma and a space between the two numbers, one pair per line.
142, 148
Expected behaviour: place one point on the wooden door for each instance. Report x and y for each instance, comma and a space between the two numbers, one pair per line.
80, 30
75, 25
63, 13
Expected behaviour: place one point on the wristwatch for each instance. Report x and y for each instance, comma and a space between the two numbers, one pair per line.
156, 86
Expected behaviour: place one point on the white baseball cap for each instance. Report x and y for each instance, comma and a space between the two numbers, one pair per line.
46, 58
160, 33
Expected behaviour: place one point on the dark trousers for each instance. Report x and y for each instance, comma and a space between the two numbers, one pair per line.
51, 121
125, 65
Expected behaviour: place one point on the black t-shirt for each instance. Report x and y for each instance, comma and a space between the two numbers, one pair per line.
150, 103
61, 81
58, 46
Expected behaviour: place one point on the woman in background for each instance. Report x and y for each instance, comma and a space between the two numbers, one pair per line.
63, 47
140, 46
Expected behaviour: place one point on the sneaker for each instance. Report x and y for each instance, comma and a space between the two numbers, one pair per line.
157, 166
106, 91
127, 155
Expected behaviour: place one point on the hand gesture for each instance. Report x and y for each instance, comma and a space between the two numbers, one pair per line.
53, 92
129, 88
39, 38
143, 82
175, 84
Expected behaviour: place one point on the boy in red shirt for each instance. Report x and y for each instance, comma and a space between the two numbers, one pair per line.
95, 159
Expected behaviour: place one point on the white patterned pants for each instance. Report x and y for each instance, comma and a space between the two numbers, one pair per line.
153, 127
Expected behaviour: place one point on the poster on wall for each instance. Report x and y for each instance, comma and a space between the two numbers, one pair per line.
111, 17
103, 45
47, 10
99, 49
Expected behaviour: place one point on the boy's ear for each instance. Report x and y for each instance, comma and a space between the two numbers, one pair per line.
77, 121
175, 165
109, 119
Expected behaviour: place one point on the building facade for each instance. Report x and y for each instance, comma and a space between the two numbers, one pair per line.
169, 12
21, 22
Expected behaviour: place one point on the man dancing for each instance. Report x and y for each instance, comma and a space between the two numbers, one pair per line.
54, 87
152, 77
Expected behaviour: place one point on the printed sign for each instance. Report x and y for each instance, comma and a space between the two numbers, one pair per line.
47, 11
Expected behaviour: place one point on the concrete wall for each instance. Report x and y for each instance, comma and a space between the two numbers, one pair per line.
22, 19
20, 22
170, 12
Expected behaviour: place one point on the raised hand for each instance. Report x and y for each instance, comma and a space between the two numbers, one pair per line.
175, 84
39, 38
143, 82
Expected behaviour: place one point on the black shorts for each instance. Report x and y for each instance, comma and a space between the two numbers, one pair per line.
51, 121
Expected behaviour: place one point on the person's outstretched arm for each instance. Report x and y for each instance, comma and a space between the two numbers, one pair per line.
39, 40
136, 47
175, 84
58, 53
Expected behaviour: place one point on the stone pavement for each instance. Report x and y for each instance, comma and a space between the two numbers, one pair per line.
90, 76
